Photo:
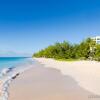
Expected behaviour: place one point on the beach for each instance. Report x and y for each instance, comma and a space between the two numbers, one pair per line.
86, 73
10, 68
56, 80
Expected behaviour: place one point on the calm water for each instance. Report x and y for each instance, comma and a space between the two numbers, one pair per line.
6, 62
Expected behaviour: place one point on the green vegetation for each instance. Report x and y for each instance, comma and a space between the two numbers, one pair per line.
97, 53
69, 60
87, 49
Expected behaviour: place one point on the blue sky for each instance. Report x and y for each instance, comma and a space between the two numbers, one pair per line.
30, 25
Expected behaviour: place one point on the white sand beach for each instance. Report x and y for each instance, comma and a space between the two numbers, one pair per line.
57, 80
86, 73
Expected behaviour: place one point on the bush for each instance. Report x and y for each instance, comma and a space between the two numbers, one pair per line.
65, 50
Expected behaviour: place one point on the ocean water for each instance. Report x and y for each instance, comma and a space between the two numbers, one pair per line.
13, 66
10, 62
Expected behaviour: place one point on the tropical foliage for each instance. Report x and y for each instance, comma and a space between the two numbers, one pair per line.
87, 49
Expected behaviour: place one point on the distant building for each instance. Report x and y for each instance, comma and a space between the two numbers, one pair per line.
96, 39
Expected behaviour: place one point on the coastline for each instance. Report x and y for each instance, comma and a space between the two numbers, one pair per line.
43, 82
7, 75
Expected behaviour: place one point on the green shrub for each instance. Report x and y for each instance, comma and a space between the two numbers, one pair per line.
65, 50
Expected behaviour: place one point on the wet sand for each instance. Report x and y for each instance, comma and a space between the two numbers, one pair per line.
40, 83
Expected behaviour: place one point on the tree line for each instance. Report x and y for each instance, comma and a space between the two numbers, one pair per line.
87, 49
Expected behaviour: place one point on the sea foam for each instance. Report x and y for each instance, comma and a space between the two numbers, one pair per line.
8, 74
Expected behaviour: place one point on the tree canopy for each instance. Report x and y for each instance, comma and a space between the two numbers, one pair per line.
85, 50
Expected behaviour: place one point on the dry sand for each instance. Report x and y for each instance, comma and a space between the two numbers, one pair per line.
86, 73
41, 83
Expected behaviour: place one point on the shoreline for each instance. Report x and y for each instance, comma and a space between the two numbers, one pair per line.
46, 83
4, 85
7, 78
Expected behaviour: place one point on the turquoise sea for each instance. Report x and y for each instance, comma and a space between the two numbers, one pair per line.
10, 68
9, 62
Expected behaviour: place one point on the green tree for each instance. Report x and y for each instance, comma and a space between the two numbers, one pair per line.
97, 52
65, 50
